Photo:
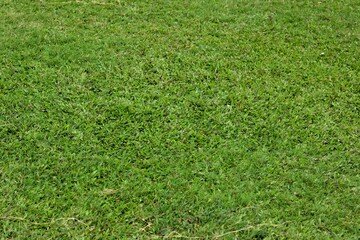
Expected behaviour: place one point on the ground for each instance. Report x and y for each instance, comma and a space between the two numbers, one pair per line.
231, 119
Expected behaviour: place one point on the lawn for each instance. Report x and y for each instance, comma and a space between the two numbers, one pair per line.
193, 119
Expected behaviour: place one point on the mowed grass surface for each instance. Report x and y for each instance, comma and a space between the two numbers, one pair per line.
173, 119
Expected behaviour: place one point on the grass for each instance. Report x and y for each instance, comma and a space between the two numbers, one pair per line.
179, 119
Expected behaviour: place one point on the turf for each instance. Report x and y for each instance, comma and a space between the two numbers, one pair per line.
232, 119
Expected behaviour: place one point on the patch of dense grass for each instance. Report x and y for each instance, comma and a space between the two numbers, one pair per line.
163, 119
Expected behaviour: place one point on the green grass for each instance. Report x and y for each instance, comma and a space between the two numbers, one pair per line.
232, 119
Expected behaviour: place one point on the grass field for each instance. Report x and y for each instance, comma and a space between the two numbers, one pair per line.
199, 119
